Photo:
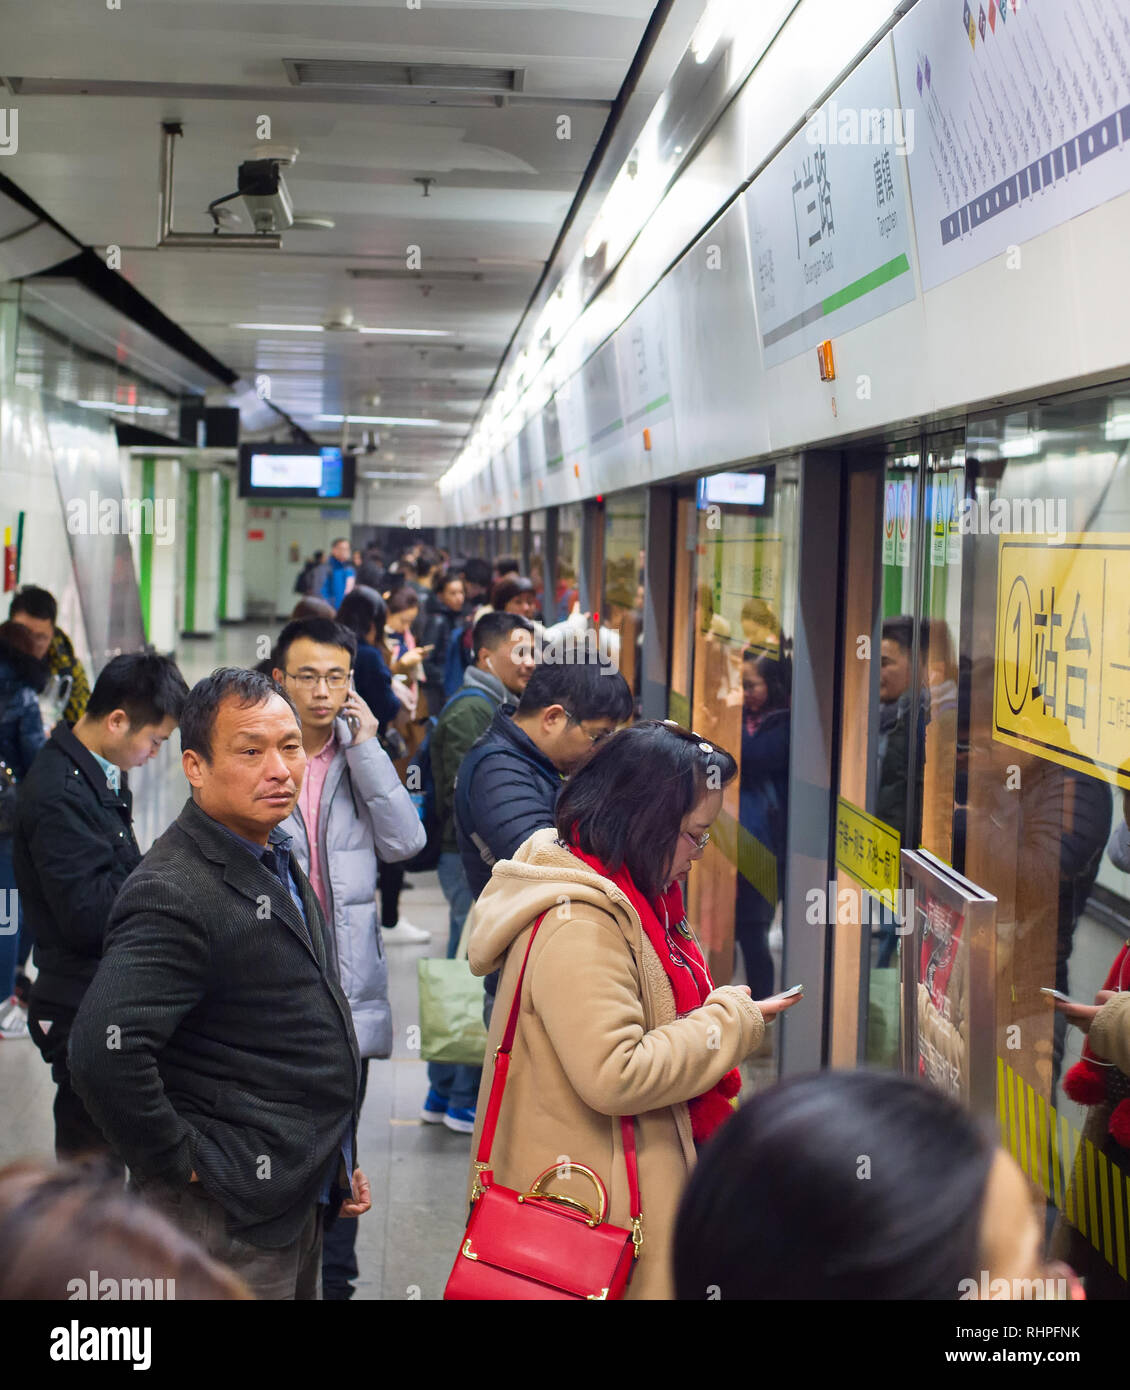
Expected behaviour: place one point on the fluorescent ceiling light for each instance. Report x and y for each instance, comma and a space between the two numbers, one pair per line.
406, 476
1023, 447
115, 409
410, 332
379, 420
319, 328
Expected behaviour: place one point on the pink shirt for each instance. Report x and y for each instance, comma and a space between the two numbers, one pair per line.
309, 803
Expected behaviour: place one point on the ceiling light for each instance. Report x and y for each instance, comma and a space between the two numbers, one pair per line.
407, 477
411, 332
116, 409
282, 327
377, 420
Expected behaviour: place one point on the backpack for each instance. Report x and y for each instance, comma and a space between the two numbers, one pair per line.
457, 660
422, 789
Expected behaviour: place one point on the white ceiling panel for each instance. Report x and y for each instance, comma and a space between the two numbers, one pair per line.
503, 179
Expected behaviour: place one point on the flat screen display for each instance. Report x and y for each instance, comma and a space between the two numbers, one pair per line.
733, 490
295, 471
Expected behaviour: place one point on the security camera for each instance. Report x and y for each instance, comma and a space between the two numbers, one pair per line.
262, 188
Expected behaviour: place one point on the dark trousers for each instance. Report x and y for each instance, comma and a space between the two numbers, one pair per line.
294, 1272
390, 880
752, 919
76, 1134
339, 1240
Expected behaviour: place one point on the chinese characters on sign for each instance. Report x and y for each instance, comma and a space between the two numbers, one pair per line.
1062, 679
868, 849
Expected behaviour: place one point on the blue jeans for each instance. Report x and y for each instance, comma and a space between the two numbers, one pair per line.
10, 930
459, 1085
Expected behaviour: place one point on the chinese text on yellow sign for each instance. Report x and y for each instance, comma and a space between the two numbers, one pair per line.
867, 848
1062, 679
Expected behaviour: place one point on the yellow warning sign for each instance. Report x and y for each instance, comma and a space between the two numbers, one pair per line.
1061, 686
867, 848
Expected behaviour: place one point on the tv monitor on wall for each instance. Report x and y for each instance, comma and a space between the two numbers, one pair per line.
296, 473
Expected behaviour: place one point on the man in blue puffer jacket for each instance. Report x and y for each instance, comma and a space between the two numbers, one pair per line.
340, 574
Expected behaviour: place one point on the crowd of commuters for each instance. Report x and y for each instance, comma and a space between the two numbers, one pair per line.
209, 1010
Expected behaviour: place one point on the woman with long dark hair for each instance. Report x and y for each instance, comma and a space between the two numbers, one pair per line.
619, 1015
364, 613
851, 1185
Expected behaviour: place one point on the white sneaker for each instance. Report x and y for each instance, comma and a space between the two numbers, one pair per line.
13, 1021
405, 933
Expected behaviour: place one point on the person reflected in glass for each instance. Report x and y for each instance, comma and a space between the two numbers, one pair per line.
764, 785
896, 720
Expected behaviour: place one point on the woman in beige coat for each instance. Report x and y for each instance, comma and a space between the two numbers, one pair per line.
618, 1015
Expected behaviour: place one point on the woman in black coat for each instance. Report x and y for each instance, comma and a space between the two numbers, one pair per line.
364, 612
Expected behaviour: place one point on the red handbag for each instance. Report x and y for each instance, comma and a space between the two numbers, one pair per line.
535, 1244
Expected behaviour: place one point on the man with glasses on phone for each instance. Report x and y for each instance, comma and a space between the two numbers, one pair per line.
508, 783
352, 808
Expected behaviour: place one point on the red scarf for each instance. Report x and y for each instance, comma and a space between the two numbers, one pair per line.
690, 982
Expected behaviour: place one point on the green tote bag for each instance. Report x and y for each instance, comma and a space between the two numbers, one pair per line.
451, 1009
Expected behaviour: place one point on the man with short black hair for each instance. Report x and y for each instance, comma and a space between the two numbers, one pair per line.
352, 809
36, 609
508, 783
74, 848
215, 1047
503, 665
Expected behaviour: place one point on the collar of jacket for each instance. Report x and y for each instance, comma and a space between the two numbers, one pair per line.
504, 726
63, 736
253, 879
483, 680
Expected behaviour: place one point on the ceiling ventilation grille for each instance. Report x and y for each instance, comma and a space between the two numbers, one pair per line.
436, 77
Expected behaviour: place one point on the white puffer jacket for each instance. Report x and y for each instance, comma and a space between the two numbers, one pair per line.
364, 812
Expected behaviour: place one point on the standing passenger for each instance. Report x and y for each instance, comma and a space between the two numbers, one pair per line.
214, 1047
352, 808
22, 677
619, 1015
504, 663
339, 576
508, 784
37, 610
75, 848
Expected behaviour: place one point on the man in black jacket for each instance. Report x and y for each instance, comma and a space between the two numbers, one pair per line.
508, 782
215, 1047
74, 847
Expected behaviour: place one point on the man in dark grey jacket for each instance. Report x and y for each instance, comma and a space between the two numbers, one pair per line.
352, 808
214, 1047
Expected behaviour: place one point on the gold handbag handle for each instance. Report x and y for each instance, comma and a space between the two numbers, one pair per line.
594, 1218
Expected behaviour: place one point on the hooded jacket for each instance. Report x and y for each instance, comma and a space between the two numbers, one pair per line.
364, 812
597, 1038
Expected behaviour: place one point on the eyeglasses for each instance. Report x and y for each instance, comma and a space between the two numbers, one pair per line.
592, 738
308, 680
700, 843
